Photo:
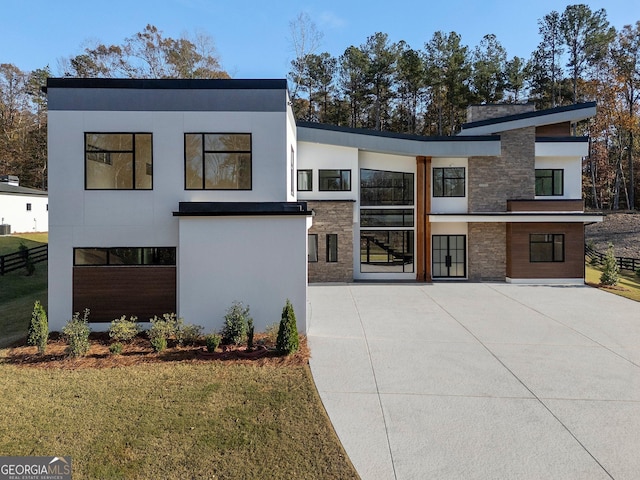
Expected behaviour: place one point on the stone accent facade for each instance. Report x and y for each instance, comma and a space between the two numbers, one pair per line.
487, 251
332, 217
476, 113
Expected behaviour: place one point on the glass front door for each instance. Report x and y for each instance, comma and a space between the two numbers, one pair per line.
449, 256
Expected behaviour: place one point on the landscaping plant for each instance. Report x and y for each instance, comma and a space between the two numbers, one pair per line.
76, 334
123, 330
249, 333
115, 348
610, 269
234, 330
161, 330
212, 340
188, 334
288, 341
38, 328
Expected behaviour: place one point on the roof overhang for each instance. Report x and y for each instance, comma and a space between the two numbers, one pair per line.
399, 144
571, 113
562, 147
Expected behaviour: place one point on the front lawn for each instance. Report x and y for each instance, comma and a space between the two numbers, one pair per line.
628, 286
172, 420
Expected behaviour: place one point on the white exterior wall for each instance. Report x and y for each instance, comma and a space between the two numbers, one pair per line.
450, 204
572, 167
139, 218
260, 261
13, 211
316, 156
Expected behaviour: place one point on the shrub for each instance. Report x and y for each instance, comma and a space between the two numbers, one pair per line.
161, 330
288, 342
123, 330
38, 328
115, 348
235, 324
249, 333
271, 333
212, 340
76, 334
188, 334
610, 270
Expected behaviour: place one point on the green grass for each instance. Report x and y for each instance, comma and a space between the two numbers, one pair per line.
18, 292
172, 421
629, 283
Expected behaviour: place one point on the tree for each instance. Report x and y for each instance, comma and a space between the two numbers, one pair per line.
545, 68
489, 65
381, 64
288, 341
587, 36
515, 78
610, 270
410, 80
353, 67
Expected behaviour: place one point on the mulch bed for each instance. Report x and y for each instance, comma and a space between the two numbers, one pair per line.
139, 351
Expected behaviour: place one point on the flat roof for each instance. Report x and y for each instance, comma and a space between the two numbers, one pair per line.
168, 83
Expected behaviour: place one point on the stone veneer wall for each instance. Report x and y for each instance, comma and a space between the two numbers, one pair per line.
487, 251
332, 217
476, 113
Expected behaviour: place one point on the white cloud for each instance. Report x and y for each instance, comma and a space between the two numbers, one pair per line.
331, 20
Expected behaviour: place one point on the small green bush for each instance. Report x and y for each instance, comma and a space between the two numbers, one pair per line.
188, 334
123, 330
76, 334
115, 348
212, 340
234, 330
271, 332
161, 330
249, 333
610, 269
38, 328
288, 342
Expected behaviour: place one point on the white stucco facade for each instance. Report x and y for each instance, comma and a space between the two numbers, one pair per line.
24, 212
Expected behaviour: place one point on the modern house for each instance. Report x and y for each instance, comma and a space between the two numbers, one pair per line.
22, 209
222, 197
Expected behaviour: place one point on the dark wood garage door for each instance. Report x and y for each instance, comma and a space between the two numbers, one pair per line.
110, 292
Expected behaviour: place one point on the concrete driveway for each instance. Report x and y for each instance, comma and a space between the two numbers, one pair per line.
486, 381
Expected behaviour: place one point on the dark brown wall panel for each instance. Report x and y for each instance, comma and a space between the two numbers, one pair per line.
545, 205
110, 292
555, 130
518, 264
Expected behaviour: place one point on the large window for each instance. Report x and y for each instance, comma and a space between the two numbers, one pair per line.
448, 182
386, 251
124, 256
305, 180
546, 247
380, 187
118, 161
549, 182
217, 161
334, 180
387, 217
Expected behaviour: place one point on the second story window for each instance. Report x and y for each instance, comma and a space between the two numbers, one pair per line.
305, 180
217, 161
448, 182
334, 180
549, 182
118, 161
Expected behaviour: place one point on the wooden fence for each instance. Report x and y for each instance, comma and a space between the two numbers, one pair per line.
625, 263
18, 260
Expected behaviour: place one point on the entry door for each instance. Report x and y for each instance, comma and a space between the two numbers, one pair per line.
449, 256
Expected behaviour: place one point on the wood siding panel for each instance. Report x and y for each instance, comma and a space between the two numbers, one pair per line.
555, 130
518, 264
545, 205
110, 292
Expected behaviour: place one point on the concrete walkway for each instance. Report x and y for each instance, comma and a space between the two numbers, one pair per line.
479, 381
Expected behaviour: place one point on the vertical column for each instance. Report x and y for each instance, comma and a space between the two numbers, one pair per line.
423, 227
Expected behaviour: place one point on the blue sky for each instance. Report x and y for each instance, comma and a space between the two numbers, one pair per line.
253, 37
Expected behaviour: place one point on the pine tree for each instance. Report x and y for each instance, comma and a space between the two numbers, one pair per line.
38, 328
288, 341
610, 271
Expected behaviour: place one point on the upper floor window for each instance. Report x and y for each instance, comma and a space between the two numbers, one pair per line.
549, 182
118, 161
28, 207
334, 180
124, 256
546, 247
448, 182
380, 187
305, 180
217, 161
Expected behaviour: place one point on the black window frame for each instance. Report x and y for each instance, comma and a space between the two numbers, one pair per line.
332, 248
550, 239
389, 217
407, 251
441, 190
313, 236
110, 252
310, 172
148, 166
28, 207
203, 159
339, 178
552, 177
405, 185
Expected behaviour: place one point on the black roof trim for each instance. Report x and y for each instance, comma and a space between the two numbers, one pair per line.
570, 213
404, 136
222, 209
562, 139
168, 83
520, 116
